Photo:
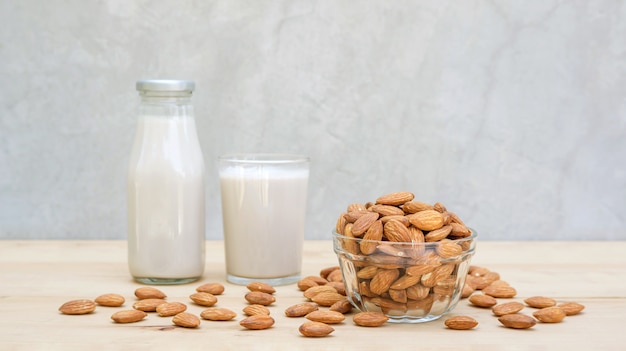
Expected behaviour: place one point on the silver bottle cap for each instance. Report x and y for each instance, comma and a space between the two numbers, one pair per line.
165, 85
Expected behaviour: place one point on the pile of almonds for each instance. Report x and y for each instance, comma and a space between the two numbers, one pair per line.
407, 255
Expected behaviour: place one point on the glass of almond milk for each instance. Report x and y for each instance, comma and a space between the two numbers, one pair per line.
263, 208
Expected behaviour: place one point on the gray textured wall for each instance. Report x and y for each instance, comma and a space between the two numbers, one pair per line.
512, 113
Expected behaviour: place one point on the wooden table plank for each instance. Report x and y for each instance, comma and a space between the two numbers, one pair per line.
36, 277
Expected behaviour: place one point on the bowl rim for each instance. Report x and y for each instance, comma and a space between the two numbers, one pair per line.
471, 237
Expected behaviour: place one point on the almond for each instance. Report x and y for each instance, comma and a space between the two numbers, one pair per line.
342, 306
367, 272
416, 206
315, 329
386, 210
327, 299
218, 314
550, 314
203, 299
571, 308
482, 300
507, 308
356, 207
328, 317
459, 230
438, 234
305, 283
110, 300
260, 298
448, 248
439, 207
500, 291
427, 220
369, 319
169, 309
405, 281
262, 287
149, 292
312, 291
540, 302
148, 305
211, 288
339, 286
301, 309
257, 322
383, 279
254, 309
326, 271
334, 277
128, 316
417, 292
363, 223
402, 219
517, 321
395, 199
75, 307
373, 234
461, 322
186, 320
396, 231
341, 224
467, 290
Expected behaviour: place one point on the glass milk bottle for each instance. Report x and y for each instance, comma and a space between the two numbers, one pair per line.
166, 229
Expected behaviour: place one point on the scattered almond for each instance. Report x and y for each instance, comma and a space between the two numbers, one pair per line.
517, 321
211, 288
186, 320
326, 271
315, 329
128, 316
502, 291
148, 292
328, 317
260, 298
461, 322
203, 299
342, 306
148, 305
255, 309
301, 309
482, 300
76, 307
369, 319
314, 290
550, 314
169, 309
110, 300
262, 287
540, 302
507, 308
218, 314
257, 322
571, 308
327, 299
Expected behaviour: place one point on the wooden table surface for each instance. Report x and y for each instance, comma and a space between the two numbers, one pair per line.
36, 277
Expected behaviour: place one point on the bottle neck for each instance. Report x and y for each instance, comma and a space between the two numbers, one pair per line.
166, 104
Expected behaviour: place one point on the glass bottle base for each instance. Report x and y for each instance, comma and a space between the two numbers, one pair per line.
165, 281
271, 281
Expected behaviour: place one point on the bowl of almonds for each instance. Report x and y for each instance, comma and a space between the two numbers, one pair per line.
404, 258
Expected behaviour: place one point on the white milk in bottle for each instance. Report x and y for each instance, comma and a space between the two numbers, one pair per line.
166, 202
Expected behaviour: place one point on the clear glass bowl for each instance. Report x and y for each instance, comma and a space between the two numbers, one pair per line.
408, 282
